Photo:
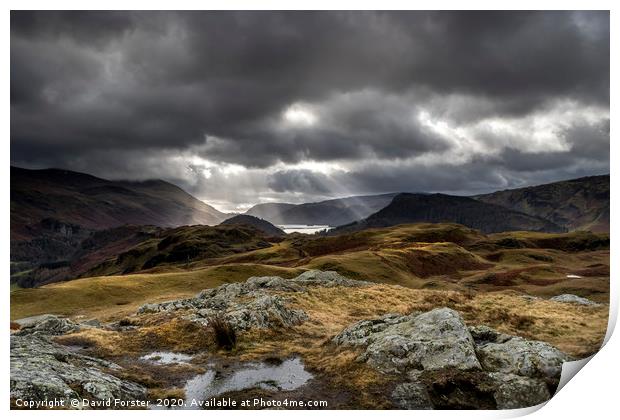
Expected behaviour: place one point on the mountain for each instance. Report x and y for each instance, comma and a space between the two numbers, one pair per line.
441, 208
93, 203
273, 212
260, 224
55, 213
576, 204
333, 212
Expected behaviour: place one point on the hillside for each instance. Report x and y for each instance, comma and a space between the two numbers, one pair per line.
575, 204
334, 212
56, 217
273, 212
436, 257
93, 203
129, 249
260, 224
442, 208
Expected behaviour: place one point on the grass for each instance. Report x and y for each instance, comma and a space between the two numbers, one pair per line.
116, 296
223, 333
429, 256
576, 330
415, 267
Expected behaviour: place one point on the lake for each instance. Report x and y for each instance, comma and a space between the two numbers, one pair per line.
303, 228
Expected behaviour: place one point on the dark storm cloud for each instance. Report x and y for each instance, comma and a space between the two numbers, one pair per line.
219, 84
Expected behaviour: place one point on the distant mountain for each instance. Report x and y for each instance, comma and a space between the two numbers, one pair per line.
440, 208
273, 212
333, 212
260, 224
93, 203
576, 204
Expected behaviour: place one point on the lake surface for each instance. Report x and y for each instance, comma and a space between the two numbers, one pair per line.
303, 228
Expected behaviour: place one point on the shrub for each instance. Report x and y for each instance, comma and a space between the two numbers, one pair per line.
223, 331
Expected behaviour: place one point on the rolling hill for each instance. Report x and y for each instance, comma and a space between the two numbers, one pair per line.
442, 208
260, 224
333, 212
129, 249
576, 204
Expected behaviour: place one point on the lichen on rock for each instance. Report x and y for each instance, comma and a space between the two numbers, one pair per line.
578, 300
445, 364
42, 370
251, 304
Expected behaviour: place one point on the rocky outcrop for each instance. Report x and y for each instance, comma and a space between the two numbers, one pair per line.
219, 297
411, 396
42, 370
445, 364
516, 355
578, 300
264, 311
433, 340
250, 304
514, 391
46, 325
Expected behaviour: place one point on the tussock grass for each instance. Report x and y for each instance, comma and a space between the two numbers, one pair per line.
223, 332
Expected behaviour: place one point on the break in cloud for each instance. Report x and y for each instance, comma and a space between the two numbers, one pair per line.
246, 107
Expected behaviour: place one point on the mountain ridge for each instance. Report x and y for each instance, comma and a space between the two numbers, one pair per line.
443, 208
96, 203
332, 212
576, 204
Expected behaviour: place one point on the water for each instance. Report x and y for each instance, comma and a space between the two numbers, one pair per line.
309, 229
286, 376
166, 357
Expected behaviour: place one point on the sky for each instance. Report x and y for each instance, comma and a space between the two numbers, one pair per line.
241, 107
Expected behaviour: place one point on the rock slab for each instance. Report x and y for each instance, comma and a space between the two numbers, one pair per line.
42, 370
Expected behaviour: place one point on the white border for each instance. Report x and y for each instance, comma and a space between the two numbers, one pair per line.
593, 394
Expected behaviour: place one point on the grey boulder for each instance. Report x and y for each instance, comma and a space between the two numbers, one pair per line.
437, 339
42, 370
578, 300
516, 355
46, 325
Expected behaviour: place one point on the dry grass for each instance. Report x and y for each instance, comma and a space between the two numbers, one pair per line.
223, 332
417, 268
575, 329
166, 333
437, 256
116, 296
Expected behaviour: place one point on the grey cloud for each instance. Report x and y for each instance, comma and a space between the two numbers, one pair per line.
89, 85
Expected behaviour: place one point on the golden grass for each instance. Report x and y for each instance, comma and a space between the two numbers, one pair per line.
112, 297
577, 330
164, 332
432, 256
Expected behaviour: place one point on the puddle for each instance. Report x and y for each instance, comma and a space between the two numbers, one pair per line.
166, 357
573, 276
288, 375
